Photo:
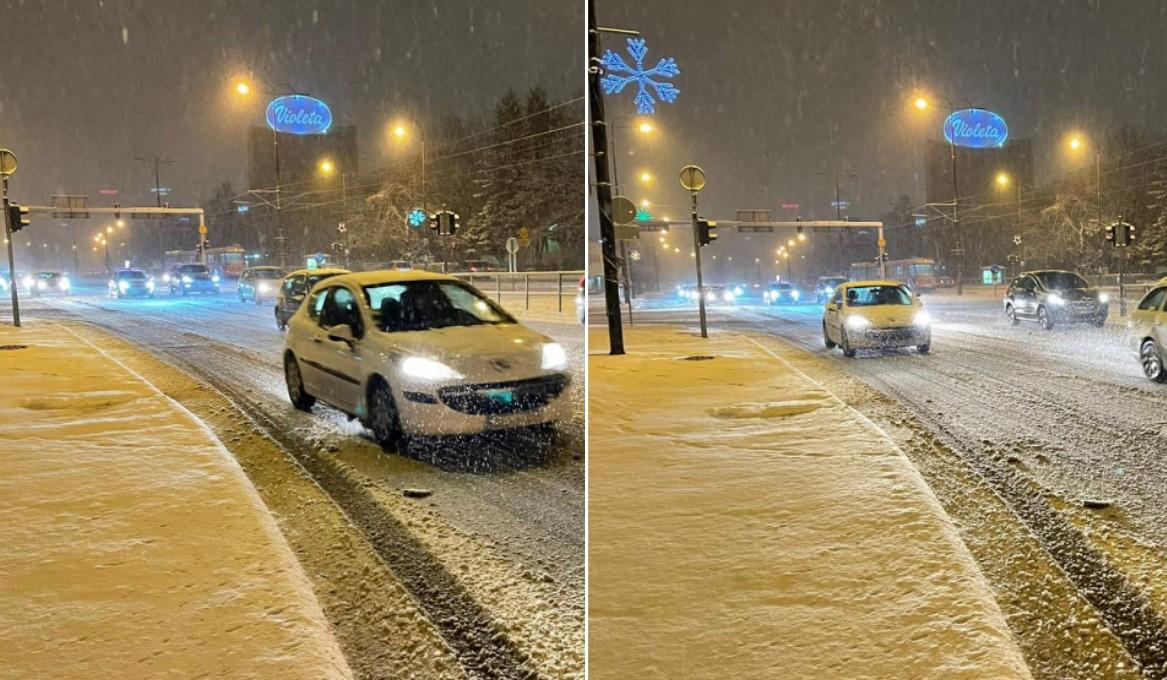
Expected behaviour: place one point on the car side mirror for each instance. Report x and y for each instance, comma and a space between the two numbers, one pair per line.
342, 333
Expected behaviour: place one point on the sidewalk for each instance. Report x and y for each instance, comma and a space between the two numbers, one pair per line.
133, 544
745, 523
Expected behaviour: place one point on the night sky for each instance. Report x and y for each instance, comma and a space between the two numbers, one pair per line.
87, 85
772, 92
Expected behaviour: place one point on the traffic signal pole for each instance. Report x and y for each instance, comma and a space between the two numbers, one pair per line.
697, 257
11, 257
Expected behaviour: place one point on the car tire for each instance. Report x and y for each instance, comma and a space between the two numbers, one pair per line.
1099, 323
848, 350
830, 344
295, 382
1044, 319
383, 420
1011, 316
1152, 362
924, 349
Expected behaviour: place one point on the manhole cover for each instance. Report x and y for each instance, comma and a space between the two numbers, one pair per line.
3, 347
697, 357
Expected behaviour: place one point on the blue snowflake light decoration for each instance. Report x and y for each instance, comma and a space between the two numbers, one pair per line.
417, 218
619, 74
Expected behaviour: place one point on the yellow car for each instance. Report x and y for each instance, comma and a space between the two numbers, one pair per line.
875, 315
1149, 331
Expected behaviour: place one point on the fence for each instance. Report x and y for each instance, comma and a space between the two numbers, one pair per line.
527, 285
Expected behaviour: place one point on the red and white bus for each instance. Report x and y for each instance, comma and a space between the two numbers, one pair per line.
919, 273
228, 261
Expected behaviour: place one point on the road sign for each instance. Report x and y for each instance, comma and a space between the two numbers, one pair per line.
882, 243
524, 242
512, 245
626, 232
202, 230
623, 211
692, 178
7, 162
524, 232
70, 206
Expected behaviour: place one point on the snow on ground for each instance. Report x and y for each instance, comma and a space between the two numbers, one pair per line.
134, 546
742, 519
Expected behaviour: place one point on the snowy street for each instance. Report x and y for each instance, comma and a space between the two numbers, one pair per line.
1044, 447
480, 535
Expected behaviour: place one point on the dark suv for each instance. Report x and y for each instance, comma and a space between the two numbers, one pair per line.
192, 278
1051, 297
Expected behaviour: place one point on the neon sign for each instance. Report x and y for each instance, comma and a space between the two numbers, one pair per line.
975, 128
298, 114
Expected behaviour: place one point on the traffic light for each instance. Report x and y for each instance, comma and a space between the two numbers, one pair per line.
883, 257
1110, 234
1128, 234
706, 231
117, 215
17, 217
446, 222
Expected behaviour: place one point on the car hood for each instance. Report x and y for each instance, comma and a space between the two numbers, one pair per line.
486, 353
885, 316
1077, 293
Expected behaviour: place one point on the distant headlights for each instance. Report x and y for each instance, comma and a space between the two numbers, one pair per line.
166, 278
123, 285
428, 369
186, 279
857, 323
263, 287
1103, 298
1055, 299
215, 278
737, 290
728, 296
64, 284
150, 285
923, 319
554, 358
795, 294
41, 285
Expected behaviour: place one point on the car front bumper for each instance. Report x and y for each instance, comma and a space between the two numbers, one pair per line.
199, 287
1080, 313
888, 338
474, 409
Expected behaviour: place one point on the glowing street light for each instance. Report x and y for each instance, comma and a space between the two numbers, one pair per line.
801, 236
1075, 143
399, 131
327, 167
645, 127
644, 203
242, 88
790, 243
1002, 179
646, 177
921, 103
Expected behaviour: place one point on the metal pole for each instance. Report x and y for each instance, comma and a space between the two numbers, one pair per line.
697, 256
1020, 228
956, 225
275, 136
882, 263
526, 291
603, 188
559, 290
11, 257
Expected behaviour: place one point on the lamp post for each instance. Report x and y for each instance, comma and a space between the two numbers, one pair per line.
328, 168
644, 127
921, 104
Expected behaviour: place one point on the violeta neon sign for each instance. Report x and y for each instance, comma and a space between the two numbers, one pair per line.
975, 128
299, 114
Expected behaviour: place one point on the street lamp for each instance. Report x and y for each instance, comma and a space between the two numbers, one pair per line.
646, 177
400, 132
1003, 180
1077, 144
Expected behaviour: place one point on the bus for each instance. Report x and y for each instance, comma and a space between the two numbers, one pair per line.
919, 273
227, 261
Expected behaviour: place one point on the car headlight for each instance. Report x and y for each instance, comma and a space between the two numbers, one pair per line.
795, 294
123, 285
263, 287
428, 369
923, 319
711, 297
728, 296
150, 284
215, 278
554, 358
857, 323
41, 284
64, 284
737, 291
766, 295
1103, 298
166, 278
27, 281
186, 279
1055, 299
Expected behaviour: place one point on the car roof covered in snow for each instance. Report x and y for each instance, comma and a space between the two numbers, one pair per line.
389, 276
873, 282
331, 271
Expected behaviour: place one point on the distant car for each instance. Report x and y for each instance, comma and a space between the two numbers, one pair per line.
944, 282
825, 287
481, 266
130, 283
400, 266
421, 354
294, 288
581, 298
260, 283
781, 293
1148, 326
1051, 297
191, 278
875, 315
43, 283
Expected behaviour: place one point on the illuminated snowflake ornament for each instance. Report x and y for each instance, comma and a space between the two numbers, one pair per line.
417, 218
648, 83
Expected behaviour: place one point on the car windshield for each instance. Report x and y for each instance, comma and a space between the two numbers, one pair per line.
424, 305
314, 278
869, 296
193, 269
826, 283
48, 276
132, 275
780, 286
1062, 280
267, 273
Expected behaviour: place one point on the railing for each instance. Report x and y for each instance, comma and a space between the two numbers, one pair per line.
511, 285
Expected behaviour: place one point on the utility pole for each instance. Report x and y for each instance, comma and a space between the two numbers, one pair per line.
11, 254
603, 187
156, 161
956, 224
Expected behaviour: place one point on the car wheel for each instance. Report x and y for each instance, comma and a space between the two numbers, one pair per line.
848, 350
1011, 316
1152, 362
830, 344
1044, 319
1100, 322
296, 393
384, 421
923, 349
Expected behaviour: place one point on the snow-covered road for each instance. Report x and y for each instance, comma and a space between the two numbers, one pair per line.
499, 538
1047, 423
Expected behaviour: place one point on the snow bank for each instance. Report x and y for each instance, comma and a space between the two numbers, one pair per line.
133, 544
745, 523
